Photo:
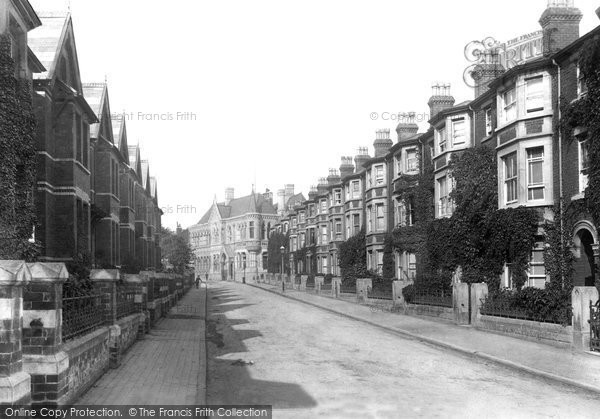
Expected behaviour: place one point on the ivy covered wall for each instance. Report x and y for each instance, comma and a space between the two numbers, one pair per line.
18, 161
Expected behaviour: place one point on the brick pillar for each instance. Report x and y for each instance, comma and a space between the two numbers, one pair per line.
580, 301
460, 303
150, 278
479, 292
138, 284
43, 357
105, 282
15, 384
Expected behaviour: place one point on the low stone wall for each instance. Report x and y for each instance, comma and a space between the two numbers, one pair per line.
129, 330
88, 361
445, 313
554, 334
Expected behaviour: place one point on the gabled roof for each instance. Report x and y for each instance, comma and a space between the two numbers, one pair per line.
295, 199
134, 160
49, 41
153, 191
120, 134
29, 16
145, 174
254, 203
96, 95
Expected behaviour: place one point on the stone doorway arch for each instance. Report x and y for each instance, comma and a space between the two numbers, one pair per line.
586, 251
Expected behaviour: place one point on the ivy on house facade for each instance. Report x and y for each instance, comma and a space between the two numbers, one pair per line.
18, 168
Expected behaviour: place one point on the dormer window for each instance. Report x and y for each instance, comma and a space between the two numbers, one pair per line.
534, 90
458, 131
509, 99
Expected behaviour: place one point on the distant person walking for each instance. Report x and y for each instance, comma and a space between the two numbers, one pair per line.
207, 277
197, 282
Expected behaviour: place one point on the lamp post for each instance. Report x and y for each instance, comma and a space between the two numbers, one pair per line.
282, 248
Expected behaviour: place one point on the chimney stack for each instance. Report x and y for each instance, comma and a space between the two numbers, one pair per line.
598, 12
362, 156
322, 186
487, 71
281, 201
382, 143
229, 195
440, 99
334, 177
289, 192
347, 167
560, 24
313, 193
407, 126
268, 195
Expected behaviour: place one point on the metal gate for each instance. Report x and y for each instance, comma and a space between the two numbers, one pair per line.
595, 326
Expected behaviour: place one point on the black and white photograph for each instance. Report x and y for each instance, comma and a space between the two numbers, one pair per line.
299, 209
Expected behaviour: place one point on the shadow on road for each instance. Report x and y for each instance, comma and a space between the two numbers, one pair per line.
229, 380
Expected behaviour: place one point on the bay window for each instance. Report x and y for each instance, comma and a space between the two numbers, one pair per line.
441, 140
337, 197
379, 175
534, 94
509, 99
535, 173
411, 160
355, 186
510, 178
380, 214
458, 131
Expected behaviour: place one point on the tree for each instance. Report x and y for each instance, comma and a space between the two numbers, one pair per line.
353, 258
176, 248
274, 252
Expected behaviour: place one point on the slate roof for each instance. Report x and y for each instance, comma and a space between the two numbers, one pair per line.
44, 41
94, 94
252, 204
145, 173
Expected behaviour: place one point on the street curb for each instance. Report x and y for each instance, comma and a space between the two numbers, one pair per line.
481, 355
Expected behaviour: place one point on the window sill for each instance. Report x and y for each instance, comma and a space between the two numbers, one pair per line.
577, 197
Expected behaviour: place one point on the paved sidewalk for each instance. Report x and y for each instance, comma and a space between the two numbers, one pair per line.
578, 369
168, 367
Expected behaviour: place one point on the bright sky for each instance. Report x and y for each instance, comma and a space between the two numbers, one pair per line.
276, 90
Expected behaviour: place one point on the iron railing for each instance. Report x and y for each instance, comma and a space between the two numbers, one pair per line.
595, 326
436, 299
125, 303
380, 293
326, 287
347, 289
503, 308
81, 315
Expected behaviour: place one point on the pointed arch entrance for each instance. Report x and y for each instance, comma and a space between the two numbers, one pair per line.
586, 247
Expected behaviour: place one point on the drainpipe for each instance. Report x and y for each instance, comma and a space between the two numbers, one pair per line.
560, 168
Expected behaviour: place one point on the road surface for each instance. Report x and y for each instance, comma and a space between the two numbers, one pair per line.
309, 363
